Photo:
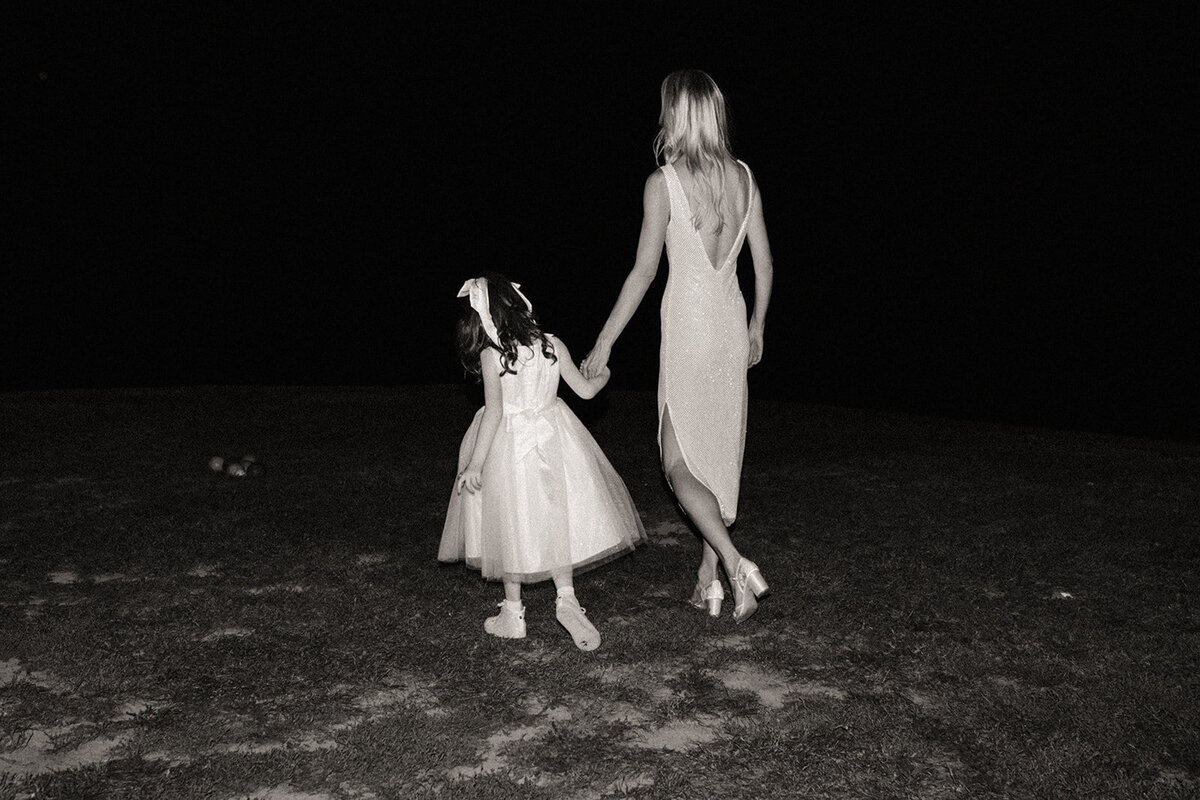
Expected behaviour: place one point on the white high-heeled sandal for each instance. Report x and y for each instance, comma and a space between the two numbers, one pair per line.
708, 596
748, 585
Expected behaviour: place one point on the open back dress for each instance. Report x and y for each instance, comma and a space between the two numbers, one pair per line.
705, 351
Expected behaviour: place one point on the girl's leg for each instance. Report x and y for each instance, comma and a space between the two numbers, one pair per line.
564, 582
510, 622
512, 592
570, 615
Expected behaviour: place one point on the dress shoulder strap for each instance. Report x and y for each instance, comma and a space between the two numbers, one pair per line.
678, 198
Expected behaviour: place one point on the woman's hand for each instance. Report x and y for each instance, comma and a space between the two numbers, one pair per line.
469, 479
756, 345
596, 362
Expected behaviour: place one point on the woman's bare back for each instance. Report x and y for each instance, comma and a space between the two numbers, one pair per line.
732, 207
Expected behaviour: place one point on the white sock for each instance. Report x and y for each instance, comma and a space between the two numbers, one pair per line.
566, 591
514, 606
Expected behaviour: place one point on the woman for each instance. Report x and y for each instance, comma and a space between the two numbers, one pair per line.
702, 203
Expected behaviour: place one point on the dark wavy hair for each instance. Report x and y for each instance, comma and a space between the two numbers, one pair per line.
515, 324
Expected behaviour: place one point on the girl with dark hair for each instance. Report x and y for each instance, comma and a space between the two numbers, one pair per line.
535, 498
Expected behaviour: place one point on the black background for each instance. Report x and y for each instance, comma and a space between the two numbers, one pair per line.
979, 210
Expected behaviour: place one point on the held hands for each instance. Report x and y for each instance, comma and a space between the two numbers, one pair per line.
601, 379
596, 362
469, 479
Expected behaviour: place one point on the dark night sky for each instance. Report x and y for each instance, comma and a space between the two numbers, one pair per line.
978, 210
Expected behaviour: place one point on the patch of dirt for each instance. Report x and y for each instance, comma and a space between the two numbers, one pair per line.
916, 698
204, 570
531, 651
12, 671
734, 641
537, 706
621, 787
284, 792
652, 676
137, 708
491, 757
280, 588
681, 734
252, 748
628, 784
422, 698
402, 688
309, 743
353, 792
172, 759
39, 754
625, 712
225, 633
773, 688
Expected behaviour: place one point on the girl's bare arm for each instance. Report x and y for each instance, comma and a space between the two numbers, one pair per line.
493, 411
585, 387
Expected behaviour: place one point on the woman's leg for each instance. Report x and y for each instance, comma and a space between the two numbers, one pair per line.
708, 565
701, 506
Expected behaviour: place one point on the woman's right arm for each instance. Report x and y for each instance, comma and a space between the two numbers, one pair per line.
656, 211
764, 274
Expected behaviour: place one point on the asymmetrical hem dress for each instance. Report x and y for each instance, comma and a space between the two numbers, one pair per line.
704, 352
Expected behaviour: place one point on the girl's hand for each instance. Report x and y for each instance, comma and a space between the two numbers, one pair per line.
596, 361
601, 379
469, 479
756, 346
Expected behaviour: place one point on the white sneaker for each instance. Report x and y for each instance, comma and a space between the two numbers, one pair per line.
508, 624
571, 617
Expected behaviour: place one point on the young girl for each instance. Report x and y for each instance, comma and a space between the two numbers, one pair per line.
535, 497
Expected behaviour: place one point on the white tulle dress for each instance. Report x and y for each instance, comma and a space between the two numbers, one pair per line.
550, 499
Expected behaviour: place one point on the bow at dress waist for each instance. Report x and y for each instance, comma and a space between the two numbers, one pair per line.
530, 429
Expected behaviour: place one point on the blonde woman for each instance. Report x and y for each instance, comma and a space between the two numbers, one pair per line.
703, 204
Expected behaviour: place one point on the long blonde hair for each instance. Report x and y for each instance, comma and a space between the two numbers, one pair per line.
693, 125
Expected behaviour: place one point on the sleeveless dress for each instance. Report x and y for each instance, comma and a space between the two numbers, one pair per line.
704, 353
550, 499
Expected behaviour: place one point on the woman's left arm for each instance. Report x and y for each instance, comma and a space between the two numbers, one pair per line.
764, 271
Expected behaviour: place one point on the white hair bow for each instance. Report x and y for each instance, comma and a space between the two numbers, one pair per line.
477, 290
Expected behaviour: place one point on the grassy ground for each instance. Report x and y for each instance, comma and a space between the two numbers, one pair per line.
958, 610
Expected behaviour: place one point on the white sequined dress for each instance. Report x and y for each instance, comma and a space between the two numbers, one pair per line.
550, 498
704, 354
